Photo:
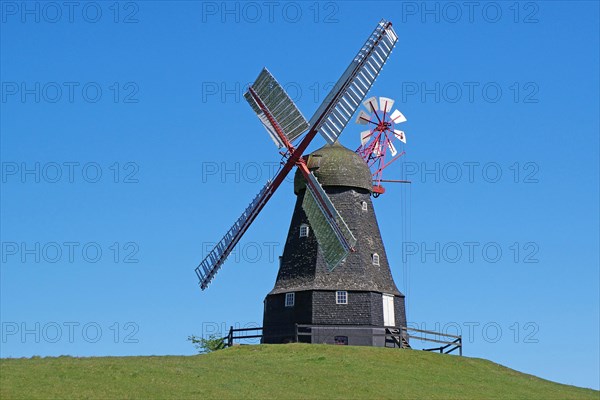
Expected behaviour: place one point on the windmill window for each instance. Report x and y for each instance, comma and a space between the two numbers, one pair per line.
341, 340
304, 230
375, 259
341, 297
364, 206
290, 299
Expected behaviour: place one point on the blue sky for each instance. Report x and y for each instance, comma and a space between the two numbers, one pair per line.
127, 148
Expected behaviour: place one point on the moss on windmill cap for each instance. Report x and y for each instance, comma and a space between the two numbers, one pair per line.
335, 165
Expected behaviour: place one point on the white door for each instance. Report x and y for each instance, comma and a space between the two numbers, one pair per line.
388, 310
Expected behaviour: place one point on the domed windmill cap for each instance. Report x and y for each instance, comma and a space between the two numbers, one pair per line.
336, 165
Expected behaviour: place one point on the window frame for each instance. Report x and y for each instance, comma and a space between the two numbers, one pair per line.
364, 206
374, 257
341, 340
304, 227
290, 295
338, 295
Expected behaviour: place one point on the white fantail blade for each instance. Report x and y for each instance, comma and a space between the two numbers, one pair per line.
371, 104
400, 135
363, 118
386, 104
397, 117
365, 136
392, 149
376, 151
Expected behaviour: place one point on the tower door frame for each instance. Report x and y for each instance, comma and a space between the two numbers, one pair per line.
389, 316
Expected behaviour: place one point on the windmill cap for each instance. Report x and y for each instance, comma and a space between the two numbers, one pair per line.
336, 165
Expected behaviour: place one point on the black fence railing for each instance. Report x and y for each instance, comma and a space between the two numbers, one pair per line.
450, 342
233, 335
400, 337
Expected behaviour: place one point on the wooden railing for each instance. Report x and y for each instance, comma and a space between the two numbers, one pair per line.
449, 344
400, 336
228, 340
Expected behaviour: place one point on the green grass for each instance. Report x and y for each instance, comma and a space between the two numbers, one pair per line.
295, 371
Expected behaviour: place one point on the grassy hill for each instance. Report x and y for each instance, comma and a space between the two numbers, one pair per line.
277, 371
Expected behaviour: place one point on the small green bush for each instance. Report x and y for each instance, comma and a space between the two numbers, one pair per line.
207, 344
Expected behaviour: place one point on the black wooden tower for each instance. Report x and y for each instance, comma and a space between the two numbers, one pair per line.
356, 299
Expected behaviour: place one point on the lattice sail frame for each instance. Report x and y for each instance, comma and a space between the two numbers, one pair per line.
280, 117
355, 82
333, 235
267, 93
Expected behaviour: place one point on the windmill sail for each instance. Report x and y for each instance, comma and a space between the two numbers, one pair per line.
345, 97
275, 109
211, 264
333, 235
285, 123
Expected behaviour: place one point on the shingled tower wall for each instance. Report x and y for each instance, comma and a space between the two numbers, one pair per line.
347, 180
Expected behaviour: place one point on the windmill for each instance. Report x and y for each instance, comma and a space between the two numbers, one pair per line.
379, 139
286, 125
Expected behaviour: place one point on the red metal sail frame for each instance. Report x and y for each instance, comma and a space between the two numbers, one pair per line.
301, 164
295, 158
